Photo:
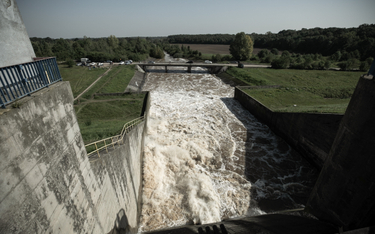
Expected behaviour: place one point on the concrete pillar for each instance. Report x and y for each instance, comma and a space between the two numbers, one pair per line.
189, 69
345, 191
166, 69
15, 45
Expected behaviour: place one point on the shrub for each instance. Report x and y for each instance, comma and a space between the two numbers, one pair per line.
70, 62
365, 65
280, 63
347, 65
275, 51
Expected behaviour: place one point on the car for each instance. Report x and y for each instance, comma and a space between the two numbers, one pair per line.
79, 64
151, 62
189, 61
100, 64
207, 61
240, 65
130, 61
93, 64
108, 61
122, 62
127, 63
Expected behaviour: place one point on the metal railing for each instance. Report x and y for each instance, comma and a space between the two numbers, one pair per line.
21, 80
101, 145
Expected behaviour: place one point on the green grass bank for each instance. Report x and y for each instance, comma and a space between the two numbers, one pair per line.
308, 91
103, 116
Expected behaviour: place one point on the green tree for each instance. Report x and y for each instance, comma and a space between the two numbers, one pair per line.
113, 41
242, 47
281, 63
275, 51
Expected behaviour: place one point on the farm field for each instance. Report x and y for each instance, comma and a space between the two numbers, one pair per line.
311, 91
102, 116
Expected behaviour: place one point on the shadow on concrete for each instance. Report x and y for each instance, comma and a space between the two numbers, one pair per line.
281, 178
121, 224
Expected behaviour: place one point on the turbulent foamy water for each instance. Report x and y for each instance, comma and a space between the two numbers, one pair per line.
204, 155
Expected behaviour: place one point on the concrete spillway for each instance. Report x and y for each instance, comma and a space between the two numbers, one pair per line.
207, 159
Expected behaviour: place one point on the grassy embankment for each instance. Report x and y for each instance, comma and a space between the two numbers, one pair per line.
104, 116
312, 91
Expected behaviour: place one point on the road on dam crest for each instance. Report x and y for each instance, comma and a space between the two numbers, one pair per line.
206, 158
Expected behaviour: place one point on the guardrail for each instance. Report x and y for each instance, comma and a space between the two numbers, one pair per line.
21, 80
101, 145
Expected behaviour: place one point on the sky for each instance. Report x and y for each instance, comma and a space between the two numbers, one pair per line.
151, 18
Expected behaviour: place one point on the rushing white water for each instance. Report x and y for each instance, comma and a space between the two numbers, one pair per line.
202, 150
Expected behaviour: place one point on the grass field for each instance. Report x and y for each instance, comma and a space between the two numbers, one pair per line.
115, 81
103, 116
80, 77
301, 90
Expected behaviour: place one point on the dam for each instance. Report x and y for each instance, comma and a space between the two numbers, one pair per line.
199, 162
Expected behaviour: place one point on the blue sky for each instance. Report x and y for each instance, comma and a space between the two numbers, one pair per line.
125, 18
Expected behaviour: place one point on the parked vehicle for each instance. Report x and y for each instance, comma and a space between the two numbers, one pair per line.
121, 63
127, 63
100, 64
207, 61
151, 62
84, 61
79, 64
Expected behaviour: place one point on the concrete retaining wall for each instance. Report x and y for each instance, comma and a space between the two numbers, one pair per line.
15, 45
345, 191
48, 185
310, 134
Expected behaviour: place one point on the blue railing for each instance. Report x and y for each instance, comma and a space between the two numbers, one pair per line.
21, 80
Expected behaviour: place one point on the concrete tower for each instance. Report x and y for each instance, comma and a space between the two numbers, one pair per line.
15, 45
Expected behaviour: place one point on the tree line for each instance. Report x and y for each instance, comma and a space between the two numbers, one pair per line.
357, 43
97, 49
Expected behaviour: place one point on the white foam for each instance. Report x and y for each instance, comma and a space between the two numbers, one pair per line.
195, 150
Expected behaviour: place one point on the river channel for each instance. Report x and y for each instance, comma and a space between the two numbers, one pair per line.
207, 159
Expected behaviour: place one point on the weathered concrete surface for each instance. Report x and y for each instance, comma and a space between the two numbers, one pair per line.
137, 82
15, 45
119, 174
345, 191
312, 135
47, 184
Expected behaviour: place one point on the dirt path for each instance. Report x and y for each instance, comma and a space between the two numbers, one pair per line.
84, 91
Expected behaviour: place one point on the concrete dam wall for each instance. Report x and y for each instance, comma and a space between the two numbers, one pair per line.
48, 184
310, 134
